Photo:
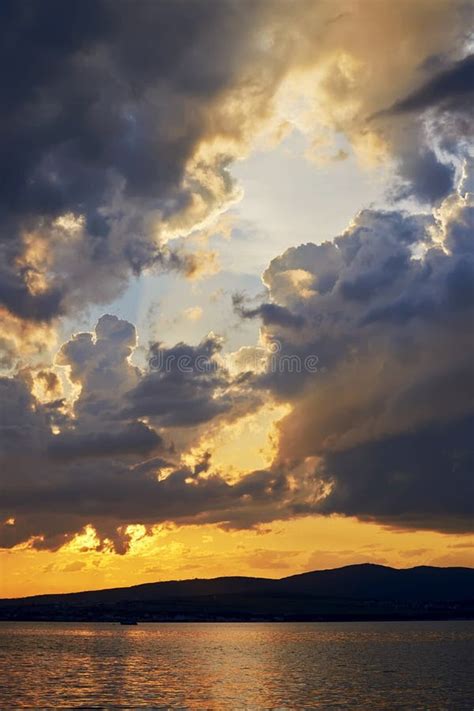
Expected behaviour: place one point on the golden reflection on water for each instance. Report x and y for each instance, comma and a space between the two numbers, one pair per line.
238, 666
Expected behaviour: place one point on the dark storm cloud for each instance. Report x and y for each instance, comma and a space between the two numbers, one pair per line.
270, 314
104, 465
424, 176
388, 415
135, 438
112, 496
184, 387
418, 479
54, 485
450, 95
20, 424
103, 105
79, 84
452, 89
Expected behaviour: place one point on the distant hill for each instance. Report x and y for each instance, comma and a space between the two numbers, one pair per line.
354, 592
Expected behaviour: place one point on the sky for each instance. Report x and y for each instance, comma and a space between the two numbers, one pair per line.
236, 288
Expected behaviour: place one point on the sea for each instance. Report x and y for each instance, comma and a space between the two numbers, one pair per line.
341, 665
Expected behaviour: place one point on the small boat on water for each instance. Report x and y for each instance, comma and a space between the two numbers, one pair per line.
128, 622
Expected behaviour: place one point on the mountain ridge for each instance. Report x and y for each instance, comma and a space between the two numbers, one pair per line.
294, 576
361, 591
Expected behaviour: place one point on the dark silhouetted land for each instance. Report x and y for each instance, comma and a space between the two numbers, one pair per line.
355, 592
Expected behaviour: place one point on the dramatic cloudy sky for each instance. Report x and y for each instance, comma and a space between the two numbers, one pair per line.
236, 288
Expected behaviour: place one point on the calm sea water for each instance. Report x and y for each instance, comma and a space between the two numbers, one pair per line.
370, 666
